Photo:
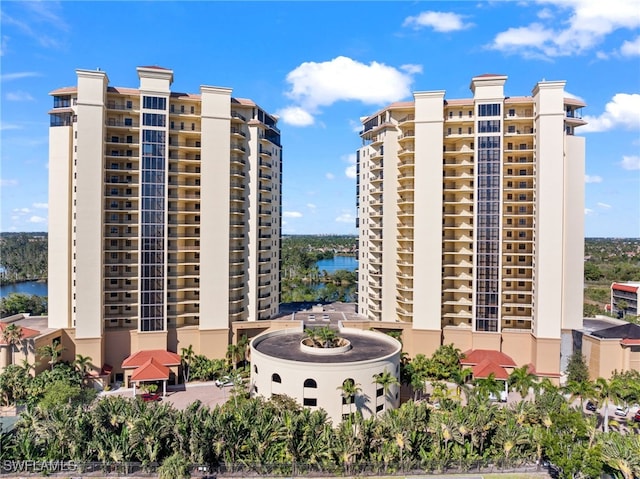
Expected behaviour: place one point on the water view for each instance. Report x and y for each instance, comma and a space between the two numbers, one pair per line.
27, 287
348, 263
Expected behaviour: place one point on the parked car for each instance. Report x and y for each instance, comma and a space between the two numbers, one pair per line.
224, 381
621, 411
636, 417
150, 397
591, 406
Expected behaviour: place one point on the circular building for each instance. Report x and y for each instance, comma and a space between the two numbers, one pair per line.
341, 380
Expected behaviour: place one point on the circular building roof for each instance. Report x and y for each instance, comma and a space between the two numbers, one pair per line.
365, 346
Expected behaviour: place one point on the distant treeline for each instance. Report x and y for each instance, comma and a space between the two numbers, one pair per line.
611, 259
23, 257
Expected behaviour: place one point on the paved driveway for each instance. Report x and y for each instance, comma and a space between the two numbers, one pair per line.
181, 396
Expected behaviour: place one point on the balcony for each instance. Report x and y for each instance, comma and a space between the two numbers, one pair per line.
111, 122
235, 116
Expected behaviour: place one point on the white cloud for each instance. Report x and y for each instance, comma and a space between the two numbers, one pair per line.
18, 76
588, 211
345, 218
568, 27
296, 116
13, 228
311, 206
411, 68
39, 21
621, 112
630, 162
14, 218
438, 21
592, 179
631, 48
22, 210
604, 205
330, 176
19, 96
292, 214
350, 171
37, 219
8, 182
43, 206
9, 126
355, 126
313, 85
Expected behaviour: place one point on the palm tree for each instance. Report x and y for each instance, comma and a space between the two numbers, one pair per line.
606, 392
233, 355
186, 355
52, 351
386, 380
460, 377
349, 390
580, 389
521, 380
83, 364
488, 386
12, 335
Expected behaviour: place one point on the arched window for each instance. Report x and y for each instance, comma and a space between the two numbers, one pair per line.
275, 377
310, 383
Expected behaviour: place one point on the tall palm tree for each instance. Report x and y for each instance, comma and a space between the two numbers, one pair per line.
233, 355
386, 380
349, 389
12, 335
607, 392
521, 380
186, 355
580, 389
460, 378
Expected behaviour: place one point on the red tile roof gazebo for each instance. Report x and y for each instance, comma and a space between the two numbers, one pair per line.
151, 365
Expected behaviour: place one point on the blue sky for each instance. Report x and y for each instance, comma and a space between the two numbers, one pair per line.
321, 66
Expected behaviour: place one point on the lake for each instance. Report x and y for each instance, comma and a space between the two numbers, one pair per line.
349, 263
28, 287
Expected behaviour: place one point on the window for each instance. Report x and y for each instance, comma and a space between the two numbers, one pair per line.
380, 407
309, 402
193, 110
310, 383
154, 103
492, 109
129, 104
128, 122
275, 377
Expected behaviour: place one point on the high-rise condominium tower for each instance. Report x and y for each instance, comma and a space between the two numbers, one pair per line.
471, 220
165, 213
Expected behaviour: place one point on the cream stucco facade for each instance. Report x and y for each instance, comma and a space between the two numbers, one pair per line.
280, 365
470, 215
165, 216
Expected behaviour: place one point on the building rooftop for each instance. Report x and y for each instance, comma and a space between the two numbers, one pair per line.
287, 347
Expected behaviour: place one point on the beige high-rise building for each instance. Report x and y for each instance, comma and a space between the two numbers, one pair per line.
471, 221
165, 216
